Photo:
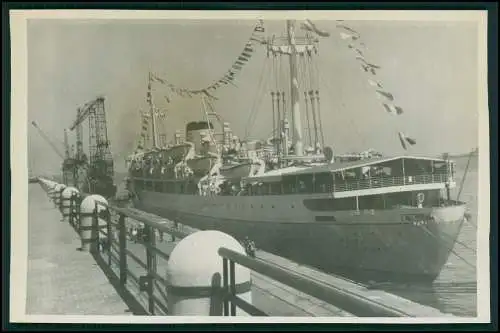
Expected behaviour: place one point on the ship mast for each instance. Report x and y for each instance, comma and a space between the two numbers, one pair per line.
294, 90
152, 113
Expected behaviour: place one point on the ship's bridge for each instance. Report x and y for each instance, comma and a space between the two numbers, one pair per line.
358, 178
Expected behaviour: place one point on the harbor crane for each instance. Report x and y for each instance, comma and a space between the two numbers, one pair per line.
100, 162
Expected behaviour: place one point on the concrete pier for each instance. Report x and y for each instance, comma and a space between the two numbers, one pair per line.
61, 279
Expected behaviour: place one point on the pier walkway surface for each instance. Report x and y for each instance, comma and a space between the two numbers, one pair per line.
61, 279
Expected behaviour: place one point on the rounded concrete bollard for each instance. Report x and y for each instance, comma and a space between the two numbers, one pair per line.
51, 184
87, 213
57, 194
52, 191
195, 274
66, 195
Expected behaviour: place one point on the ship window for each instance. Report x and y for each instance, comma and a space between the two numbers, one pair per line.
305, 183
253, 190
325, 218
323, 182
172, 187
275, 188
263, 189
290, 184
371, 202
158, 186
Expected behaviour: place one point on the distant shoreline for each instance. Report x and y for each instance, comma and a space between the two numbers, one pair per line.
475, 154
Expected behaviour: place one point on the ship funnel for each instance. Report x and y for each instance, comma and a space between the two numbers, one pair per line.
197, 132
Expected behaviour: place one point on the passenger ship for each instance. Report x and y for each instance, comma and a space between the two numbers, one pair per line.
367, 218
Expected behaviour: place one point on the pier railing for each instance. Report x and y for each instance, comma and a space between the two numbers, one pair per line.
138, 255
135, 256
354, 304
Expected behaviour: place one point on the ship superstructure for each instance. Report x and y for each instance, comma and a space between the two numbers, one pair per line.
363, 215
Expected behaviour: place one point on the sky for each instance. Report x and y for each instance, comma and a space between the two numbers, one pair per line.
430, 67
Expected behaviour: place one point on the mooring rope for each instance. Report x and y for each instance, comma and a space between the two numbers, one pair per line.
448, 248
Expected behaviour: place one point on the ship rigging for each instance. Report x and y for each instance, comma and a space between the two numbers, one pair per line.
362, 216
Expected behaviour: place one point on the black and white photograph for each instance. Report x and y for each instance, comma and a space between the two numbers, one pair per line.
249, 166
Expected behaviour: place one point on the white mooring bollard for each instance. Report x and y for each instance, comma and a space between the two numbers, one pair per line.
195, 275
65, 201
52, 191
57, 194
88, 234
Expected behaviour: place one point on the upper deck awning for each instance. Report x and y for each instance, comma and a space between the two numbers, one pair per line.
275, 175
341, 166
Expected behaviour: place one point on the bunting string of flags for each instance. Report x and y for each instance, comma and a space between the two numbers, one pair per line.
144, 131
388, 101
228, 78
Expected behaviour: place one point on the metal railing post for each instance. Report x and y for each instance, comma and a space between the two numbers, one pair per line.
123, 249
232, 286
61, 200
176, 225
71, 209
94, 238
78, 218
110, 235
150, 267
225, 286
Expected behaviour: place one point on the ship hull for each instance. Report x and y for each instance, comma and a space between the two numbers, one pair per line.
364, 246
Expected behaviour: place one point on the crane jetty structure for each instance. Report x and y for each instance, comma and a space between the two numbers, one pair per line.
97, 171
92, 173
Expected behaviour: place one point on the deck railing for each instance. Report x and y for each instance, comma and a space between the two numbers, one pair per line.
125, 255
158, 185
380, 182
